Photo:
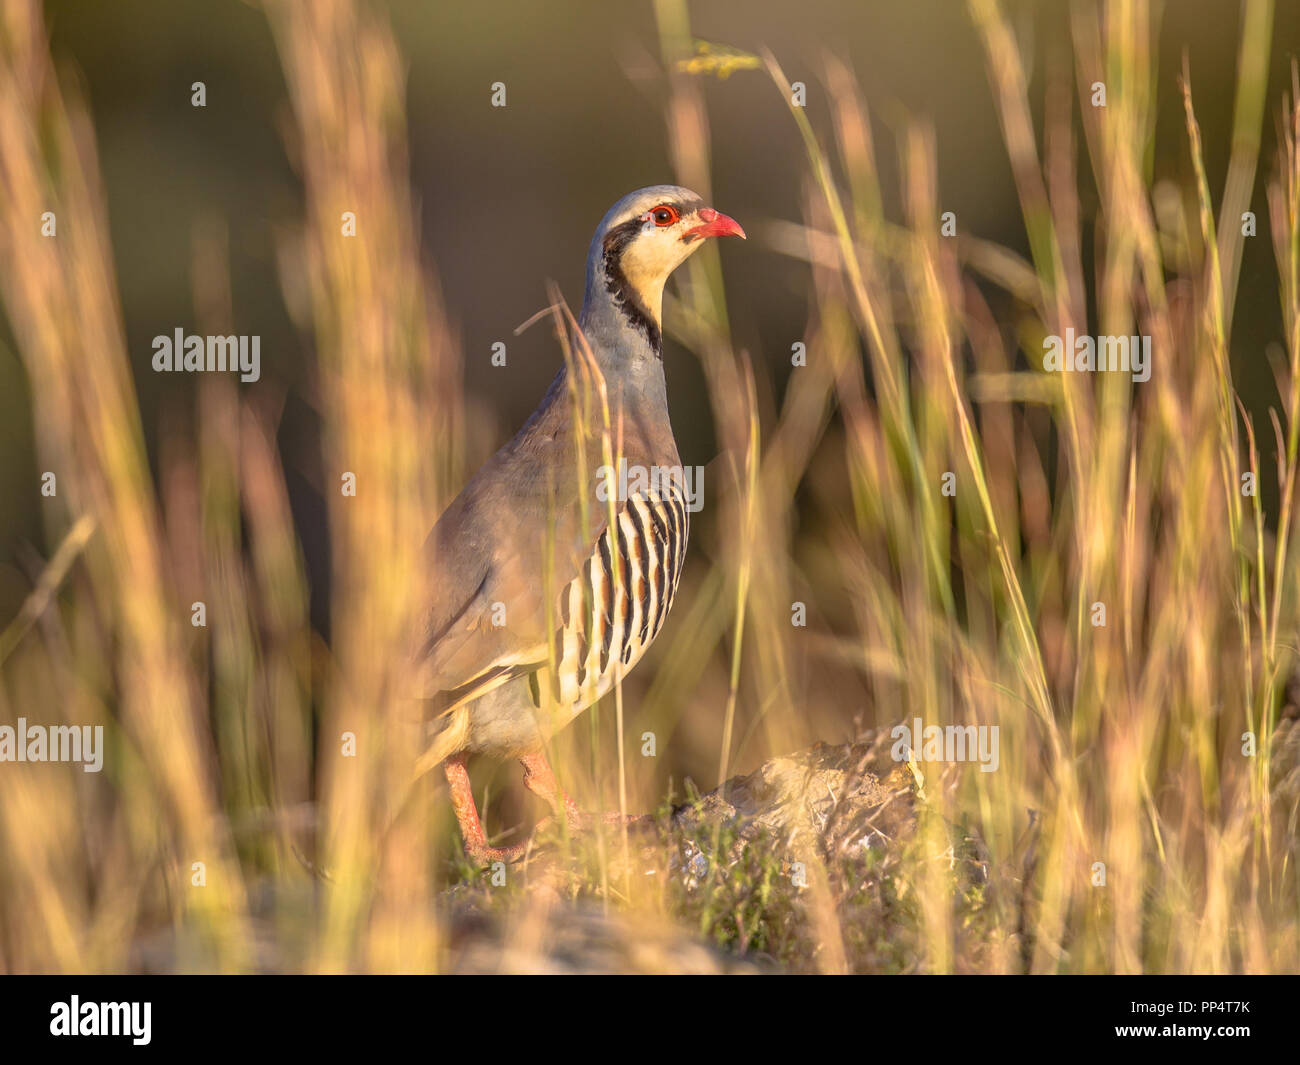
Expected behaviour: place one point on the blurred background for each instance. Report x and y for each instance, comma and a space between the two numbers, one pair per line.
508, 198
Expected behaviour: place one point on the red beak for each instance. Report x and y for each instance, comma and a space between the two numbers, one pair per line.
716, 224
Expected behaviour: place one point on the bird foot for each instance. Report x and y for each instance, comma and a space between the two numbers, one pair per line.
585, 822
483, 855
590, 821
541, 781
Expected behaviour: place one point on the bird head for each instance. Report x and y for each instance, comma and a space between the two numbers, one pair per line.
640, 241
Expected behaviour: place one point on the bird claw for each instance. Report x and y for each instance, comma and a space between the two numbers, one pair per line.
486, 856
584, 822
541, 782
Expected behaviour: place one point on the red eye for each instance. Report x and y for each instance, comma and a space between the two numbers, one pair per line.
664, 215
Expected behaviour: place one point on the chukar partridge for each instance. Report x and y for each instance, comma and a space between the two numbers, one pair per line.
536, 606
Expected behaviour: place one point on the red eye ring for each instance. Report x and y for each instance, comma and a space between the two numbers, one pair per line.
665, 215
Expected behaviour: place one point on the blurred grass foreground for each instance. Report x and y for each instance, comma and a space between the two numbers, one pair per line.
1082, 560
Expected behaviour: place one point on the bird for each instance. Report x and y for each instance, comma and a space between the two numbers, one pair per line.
533, 603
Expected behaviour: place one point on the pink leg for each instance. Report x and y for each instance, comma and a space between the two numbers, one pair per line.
540, 780
471, 828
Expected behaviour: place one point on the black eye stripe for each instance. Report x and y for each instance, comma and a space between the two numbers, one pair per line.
617, 238
683, 208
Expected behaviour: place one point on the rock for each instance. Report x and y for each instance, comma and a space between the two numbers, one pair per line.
835, 796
